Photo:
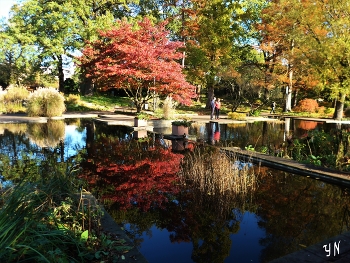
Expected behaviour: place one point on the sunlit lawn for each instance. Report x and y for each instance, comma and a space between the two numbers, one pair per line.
109, 103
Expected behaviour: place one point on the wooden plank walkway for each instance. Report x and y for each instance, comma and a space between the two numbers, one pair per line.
316, 172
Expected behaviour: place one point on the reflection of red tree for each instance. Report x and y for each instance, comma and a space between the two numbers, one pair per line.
140, 174
307, 125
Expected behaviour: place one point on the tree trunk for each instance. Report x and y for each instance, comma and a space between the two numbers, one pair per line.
138, 105
295, 98
290, 84
339, 107
288, 106
210, 96
289, 90
198, 92
60, 74
86, 86
90, 138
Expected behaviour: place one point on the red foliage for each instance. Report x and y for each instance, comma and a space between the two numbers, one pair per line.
138, 174
145, 58
307, 105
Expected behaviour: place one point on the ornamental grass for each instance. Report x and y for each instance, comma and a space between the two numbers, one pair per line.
216, 173
46, 102
12, 99
217, 181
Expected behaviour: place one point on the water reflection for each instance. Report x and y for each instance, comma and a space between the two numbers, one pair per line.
131, 172
22, 146
284, 212
320, 143
147, 187
46, 134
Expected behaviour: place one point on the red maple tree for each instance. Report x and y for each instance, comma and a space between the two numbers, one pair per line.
142, 61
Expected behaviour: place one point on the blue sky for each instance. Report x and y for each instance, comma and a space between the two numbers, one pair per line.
5, 6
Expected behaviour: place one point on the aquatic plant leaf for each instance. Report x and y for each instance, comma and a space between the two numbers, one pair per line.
84, 236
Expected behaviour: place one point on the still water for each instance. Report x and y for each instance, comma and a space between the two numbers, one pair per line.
173, 221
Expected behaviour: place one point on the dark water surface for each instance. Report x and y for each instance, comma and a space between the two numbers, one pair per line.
171, 222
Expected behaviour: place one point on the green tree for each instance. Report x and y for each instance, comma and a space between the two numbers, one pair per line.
19, 63
46, 26
58, 29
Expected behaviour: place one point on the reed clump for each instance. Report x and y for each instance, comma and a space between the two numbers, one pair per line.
216, 173
216, 182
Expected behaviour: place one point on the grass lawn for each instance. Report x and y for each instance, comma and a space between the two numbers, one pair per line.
98, 102
109, 103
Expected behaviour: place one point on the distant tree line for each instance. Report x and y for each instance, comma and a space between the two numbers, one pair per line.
250, 51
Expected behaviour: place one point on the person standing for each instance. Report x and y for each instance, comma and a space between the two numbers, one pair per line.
217, 108
212, 105
273, 106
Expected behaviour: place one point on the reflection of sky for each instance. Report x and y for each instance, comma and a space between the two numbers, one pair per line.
157, 247
74, 140
245, 247
245, 244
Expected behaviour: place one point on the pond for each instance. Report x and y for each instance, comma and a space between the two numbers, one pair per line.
171, 218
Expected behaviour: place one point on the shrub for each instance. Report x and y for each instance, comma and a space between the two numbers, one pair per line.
46, 102
307, 105
73, 99
237, 116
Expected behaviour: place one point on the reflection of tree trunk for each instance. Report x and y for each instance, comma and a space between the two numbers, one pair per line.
90, 136
340, 152
62, 149
286, 128
210, 129
339, 107
264, 133
14, 146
